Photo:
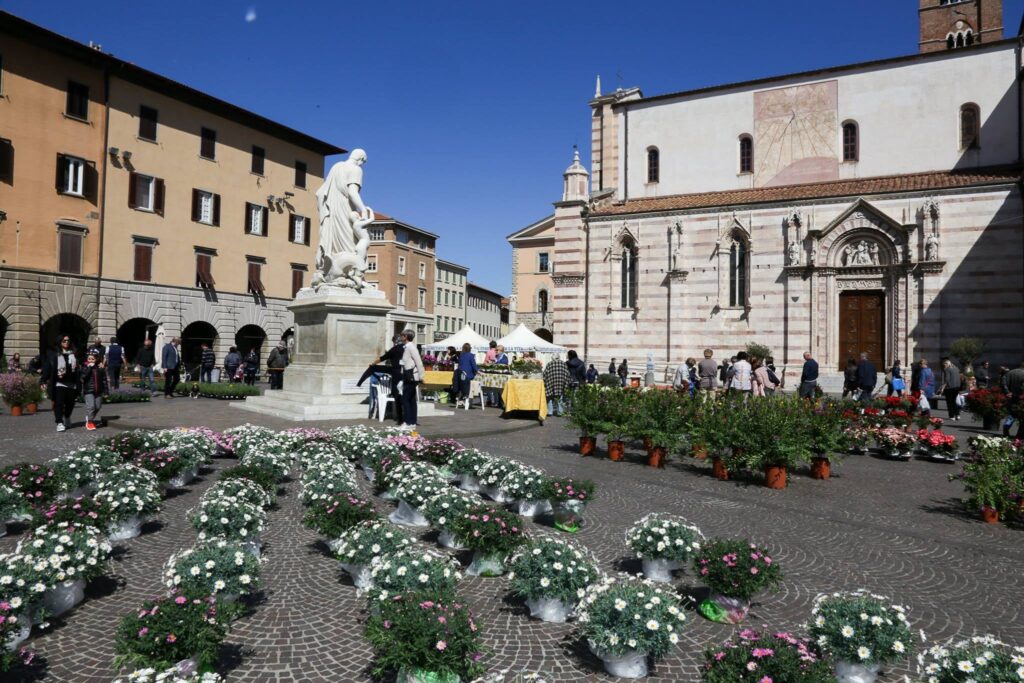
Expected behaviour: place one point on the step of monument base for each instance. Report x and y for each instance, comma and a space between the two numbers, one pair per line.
303, 407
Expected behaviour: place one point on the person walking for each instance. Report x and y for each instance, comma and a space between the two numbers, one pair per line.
93, 381
766, 383
60, 376
393, 368
623, 372
982, 376
232, 362
897, 385
114, 362
612, 367
207, 362
577, 370
170, 360
276, 363
850, 378
951, 388
146, 360
412, 376
808, 377
556, 381
466, 372
707, 372
252, 366
100, 350
742, 375
592, 374
926, 381
867, 378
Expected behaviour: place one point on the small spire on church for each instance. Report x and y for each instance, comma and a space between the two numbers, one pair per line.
597, 90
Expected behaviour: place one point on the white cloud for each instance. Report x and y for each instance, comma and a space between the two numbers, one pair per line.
250, 15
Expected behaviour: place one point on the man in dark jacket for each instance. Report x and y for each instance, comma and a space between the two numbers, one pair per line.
808, 377
146, 360
94, 388
867, 378
60, 376
208, 361
170, 359
982, 377
393, 358
577, 370
115, 359
232, 362
276, 363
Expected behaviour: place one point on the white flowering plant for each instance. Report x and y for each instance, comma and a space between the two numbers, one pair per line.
82, 467
390, 475
413, 570
128, 491
664, 537
365, 541
493, 473
195, 448
417, 489
240, 488
525, 483
552, 568
214, 568
358, 443
272, 458
171, 675
443, 508
861, 627
622, 613
296, 438
468, 461
317, 451
21, 584
65, 551
247, 437
327, 480
228, 518
981, 659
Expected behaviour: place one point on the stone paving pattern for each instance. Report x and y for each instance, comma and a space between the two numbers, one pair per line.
893, 527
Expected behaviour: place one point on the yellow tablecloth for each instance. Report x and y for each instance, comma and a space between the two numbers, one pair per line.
526, 394
437, 378
493, 380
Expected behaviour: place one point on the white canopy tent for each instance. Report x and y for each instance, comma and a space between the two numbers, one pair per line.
467, 335
521, 340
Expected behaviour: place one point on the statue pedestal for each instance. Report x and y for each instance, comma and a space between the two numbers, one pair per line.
338, 332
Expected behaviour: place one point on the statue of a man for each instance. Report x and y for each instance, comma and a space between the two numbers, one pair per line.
794, 254
341, 208
931, 247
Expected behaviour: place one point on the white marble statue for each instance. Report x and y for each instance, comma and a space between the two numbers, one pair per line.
862, 253
931, 247
794, 254
344, 240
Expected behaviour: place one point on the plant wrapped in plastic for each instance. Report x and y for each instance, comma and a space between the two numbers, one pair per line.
664, 543
751, 657
296, 438
64, 551
861, 628
13, 631
413, 570
273, 459
317, 451
552, 576
425, 639
493, 533
240, 488
169, 675
323, 481
366, 541
568, 499
391, 472
22, 585
129, 495
417, 486
334, 515
981, 659
735, 571
12, 505
444, 508
166, 631
37, 484
78, 470
259, 476
165, 463
439, 452
229, 518
493, 474
219, 568
198, 447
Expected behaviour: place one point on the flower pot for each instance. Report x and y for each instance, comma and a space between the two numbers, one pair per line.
424, 676
718, 469
587, 445
180, 480
656, 457
660, 570
63, 597
532, 508
15, 411
854, 672
631, 664
362, 579
775, 476
699, 452
821, 468
31, 408
387, 495
368, 471
21, 635
989, 515
551, 610
187, 667
723, 609
3, 529
122, 531
252, 546
616, 450
496, 494
334, 544
407, 515
470, 482
568, 514
486, 564
229, 598
447, 540
648, 444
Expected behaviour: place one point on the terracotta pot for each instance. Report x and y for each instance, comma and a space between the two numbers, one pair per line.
648, 445
656, 457
587, 445
616, 450
775, 476
699, 452
821, 468
15, 411
718, 469
31, 408
990, 515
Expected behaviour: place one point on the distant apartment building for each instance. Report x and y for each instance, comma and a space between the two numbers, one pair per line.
450, 299
533, 254
483, 311
401, 263
134, 205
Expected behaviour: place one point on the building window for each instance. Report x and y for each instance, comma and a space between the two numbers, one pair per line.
422, 299
460, 300
653, 165
146, 193
970, 116
208, 143
255, 275
401, 265
256, 218
77, 106
6, 161
143, 271
542, 262
147, 123
300, 174
628, 285
423, 270
851, 142
205, 207
437, 274
542, 301
446, 298
401, 296
437, 296
71, 175
69, 253
371, 263
299, 230
746, 154
377, 234
1, 74
298, 280
738, 257
204, 270
259, 157
447, 275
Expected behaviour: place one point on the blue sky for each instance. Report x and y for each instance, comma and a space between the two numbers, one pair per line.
469, 110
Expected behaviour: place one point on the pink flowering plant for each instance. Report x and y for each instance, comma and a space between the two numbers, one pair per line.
752, 657
894, 439
440, 451
425, 639
735, 568
82, 510
164, 463
623, 613
131, 443
11, 623
489, 529
981, 659
38, 484
562, 490
410, 444
937, 441
860, 627
168, 630
334, 515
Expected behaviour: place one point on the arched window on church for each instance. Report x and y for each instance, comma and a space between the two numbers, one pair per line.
739, 255
746, 154
653, 165
959, 40
950, 42
851, 141
970, 117
969, 40
628, 278
542, 301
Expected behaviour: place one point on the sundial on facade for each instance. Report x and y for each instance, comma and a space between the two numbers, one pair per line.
796, 134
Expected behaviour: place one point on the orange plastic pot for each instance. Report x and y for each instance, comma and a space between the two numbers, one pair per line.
821, 468
699, 452
15, 411
718, 469
31, 408
990, 515
587, 445
775, 477
616, 450
656, 457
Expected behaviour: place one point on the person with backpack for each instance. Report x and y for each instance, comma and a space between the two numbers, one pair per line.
232, 361
765, 381
94, 387
115, 359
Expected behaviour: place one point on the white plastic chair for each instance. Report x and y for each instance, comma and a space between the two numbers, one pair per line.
383, 396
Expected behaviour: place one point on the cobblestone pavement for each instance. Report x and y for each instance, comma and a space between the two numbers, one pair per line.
892, 527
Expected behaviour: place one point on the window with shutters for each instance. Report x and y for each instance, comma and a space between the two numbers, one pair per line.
746, 154
259, 157
851, 141
401, 265
6, 161
299, 229
628, 276
371, 263
401, 296
71, 175
376, 234
143, 271
256, 219
423, 270
970, 117
145, 192
653, 165
542, 301
203, 206
447, 299
147, 123
255, 277
543, 262
204, 270
300, 174
69, 251
77, 106
208, 143
422, 301
298, 278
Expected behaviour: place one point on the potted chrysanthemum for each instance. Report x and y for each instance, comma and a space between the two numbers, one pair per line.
363, 543
735, 571
525, 487
466, 465
412, 493
413, 570
243, 489
439, 452
861, 632
326, 480
229, 518
756, 657
219, 568
552, 576
22, 589
981, 659
272, 459
492, 533
568, 497
12, 506
128, 495
442, 509
65, 556
172, 631
492, 476
664, 543
607, 619
335, 515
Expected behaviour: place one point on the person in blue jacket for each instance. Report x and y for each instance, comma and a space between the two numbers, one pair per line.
926, 380
466, 371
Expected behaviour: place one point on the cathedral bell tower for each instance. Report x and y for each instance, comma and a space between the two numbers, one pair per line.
953, 24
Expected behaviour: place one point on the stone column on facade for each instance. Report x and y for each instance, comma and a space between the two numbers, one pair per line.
570, 275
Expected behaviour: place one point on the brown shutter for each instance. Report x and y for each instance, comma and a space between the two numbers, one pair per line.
216, 209
252, 274
61, 181
266, 222
143, 262
90, 181
6, 162
201, 270
291, 227
306, 234
70, 256
195, 205
296, 282
158, 195
209, 270
248, 218
133, 181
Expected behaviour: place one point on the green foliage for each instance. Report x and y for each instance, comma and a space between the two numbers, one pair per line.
967, 349
607, 380
166, 631
557, 490
860, 627
736, 569
995, 477
552, 568
758, 350
664, 416
750, 657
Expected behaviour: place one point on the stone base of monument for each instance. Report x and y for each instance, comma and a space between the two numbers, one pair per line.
338, 332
